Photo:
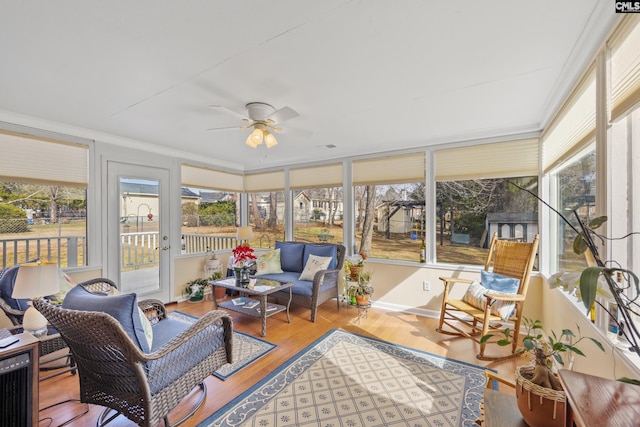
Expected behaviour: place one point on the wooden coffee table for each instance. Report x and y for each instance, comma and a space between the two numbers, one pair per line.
257, 287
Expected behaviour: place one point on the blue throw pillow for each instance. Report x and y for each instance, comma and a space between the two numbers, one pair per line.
322, 251
500, 283
124, 308
291, 255
7, 281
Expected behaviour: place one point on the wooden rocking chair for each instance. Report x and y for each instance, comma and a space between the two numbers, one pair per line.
506, 258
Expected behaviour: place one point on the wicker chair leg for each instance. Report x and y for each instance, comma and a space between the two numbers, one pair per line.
100, 422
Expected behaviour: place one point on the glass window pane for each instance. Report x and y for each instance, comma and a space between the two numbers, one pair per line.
389, 220
469, 212
266, 217
317, 215
209, 220
45, 222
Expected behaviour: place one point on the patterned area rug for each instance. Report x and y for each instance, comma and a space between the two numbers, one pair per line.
246, 348
345, 379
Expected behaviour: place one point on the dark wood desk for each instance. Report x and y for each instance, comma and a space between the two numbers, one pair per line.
595, 401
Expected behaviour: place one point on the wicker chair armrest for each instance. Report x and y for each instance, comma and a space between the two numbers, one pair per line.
322, 276
11, 313
153, 309
504, 297
198, 329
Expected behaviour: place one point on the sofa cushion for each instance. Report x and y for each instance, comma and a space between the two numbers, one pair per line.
300, 287
314, 264
291, 255
323, 251
124, 308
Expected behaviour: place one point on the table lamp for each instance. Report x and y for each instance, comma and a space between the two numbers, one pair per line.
35, 280
244, 234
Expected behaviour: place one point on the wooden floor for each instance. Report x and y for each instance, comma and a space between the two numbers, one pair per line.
405, 329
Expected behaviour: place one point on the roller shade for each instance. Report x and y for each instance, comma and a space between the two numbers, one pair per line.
574, 126
390, 169
32, 160
193, 176
625, 67
316, 176
508, 159
266, 181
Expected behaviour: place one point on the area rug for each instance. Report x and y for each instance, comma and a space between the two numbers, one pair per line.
344, 379
246, 348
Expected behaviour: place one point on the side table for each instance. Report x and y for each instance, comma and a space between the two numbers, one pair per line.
48, 344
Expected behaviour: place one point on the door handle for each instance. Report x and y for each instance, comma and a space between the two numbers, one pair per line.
165, 248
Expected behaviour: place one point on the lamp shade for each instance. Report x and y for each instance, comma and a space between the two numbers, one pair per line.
244, 233
270, 140
36, 279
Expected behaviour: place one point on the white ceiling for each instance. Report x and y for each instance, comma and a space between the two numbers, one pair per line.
365, 76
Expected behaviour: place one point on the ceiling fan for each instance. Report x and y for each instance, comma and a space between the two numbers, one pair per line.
263, 118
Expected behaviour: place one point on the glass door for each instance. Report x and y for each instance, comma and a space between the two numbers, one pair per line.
139, 229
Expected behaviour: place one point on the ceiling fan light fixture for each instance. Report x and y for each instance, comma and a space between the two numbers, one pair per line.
270, 140
256, 136
250, 142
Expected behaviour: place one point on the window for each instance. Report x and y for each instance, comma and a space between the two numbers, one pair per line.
474, 198
266, 217
210, 211
318, 208
469, 212
43, 201
573, 189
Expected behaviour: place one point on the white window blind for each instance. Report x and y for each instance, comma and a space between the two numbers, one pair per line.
265, 181
625, 66
316, 176
496, 160
390, 169
32, 160
573, 127
193, 176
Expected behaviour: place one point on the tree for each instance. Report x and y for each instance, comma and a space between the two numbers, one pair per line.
367, 226
255, 212
273, 210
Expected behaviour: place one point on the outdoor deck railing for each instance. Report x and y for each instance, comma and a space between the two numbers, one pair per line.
136, 249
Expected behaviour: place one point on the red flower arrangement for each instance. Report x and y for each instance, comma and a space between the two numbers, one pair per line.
242, 255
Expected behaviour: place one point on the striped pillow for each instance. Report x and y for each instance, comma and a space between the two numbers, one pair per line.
475, 296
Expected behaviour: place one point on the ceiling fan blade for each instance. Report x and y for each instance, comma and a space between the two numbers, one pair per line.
227, 127
228, 111
283, 114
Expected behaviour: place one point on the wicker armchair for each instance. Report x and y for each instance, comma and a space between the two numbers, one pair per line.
114, 372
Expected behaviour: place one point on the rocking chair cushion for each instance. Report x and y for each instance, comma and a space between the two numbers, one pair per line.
499, 282
475, 296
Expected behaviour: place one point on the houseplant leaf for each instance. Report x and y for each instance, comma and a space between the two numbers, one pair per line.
589, 285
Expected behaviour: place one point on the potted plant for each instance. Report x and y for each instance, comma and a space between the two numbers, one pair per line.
539, 393
354, 265
362, 290
195, 289
243, 258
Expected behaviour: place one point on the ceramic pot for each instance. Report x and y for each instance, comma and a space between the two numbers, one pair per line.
354, 272
362, 299
220, 293
539, 406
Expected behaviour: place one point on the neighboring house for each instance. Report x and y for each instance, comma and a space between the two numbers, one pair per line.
400, 216
302, 208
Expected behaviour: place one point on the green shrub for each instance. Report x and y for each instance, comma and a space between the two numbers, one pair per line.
12, 219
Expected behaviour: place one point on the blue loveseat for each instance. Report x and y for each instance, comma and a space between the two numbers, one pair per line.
308, 293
